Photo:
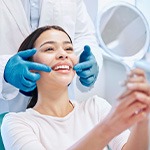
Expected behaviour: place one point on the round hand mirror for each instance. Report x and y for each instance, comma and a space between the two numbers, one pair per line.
123, 33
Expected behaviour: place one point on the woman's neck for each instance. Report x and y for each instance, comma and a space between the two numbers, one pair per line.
54, 102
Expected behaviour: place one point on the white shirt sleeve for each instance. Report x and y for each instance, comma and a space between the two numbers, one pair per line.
7, 91
17, 129
85, 34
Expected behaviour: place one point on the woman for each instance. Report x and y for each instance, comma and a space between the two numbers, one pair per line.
18, 19
52, 121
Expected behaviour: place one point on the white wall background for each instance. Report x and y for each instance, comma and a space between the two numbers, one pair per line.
112, 73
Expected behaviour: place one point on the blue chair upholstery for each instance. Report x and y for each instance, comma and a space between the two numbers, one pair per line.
1, 141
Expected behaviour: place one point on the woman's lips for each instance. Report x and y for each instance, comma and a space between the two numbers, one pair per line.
61, 67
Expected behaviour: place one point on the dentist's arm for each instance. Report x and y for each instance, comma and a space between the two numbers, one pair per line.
85, 34
17, 71
87, 69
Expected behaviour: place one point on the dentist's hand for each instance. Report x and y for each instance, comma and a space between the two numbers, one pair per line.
17, 71
87, 69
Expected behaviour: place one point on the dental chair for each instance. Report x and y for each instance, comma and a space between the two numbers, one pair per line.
1, 141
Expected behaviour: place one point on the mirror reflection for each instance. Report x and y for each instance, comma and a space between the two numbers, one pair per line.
128, 32
123, 31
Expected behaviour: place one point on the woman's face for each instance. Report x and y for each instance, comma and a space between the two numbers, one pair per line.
55, 50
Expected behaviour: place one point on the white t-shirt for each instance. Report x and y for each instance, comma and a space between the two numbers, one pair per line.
32, 130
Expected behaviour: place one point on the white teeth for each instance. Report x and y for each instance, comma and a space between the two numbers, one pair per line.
61, 67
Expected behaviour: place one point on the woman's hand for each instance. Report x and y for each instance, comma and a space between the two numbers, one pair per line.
132, 106
136, 81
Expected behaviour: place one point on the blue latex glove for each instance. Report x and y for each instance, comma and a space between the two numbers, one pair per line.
87, 69
17, 71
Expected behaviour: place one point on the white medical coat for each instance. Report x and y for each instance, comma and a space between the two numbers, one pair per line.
14, 28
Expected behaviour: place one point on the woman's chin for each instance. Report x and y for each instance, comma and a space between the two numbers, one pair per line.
64, 82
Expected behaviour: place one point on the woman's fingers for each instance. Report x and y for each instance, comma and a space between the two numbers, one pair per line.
131, 97
137, 71
143, 87
137, 79
136, 82
136, 108
135, 76
124, 117
134, 103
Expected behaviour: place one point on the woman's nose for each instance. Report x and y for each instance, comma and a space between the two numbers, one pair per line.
62, 54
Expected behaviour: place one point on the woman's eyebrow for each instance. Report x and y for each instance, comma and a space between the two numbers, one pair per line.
47, 42
53, 42
67, 42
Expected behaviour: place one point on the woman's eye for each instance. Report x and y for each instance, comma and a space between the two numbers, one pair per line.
69, 49
49, 49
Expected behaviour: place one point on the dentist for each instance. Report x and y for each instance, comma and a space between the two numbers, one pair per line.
18, 19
